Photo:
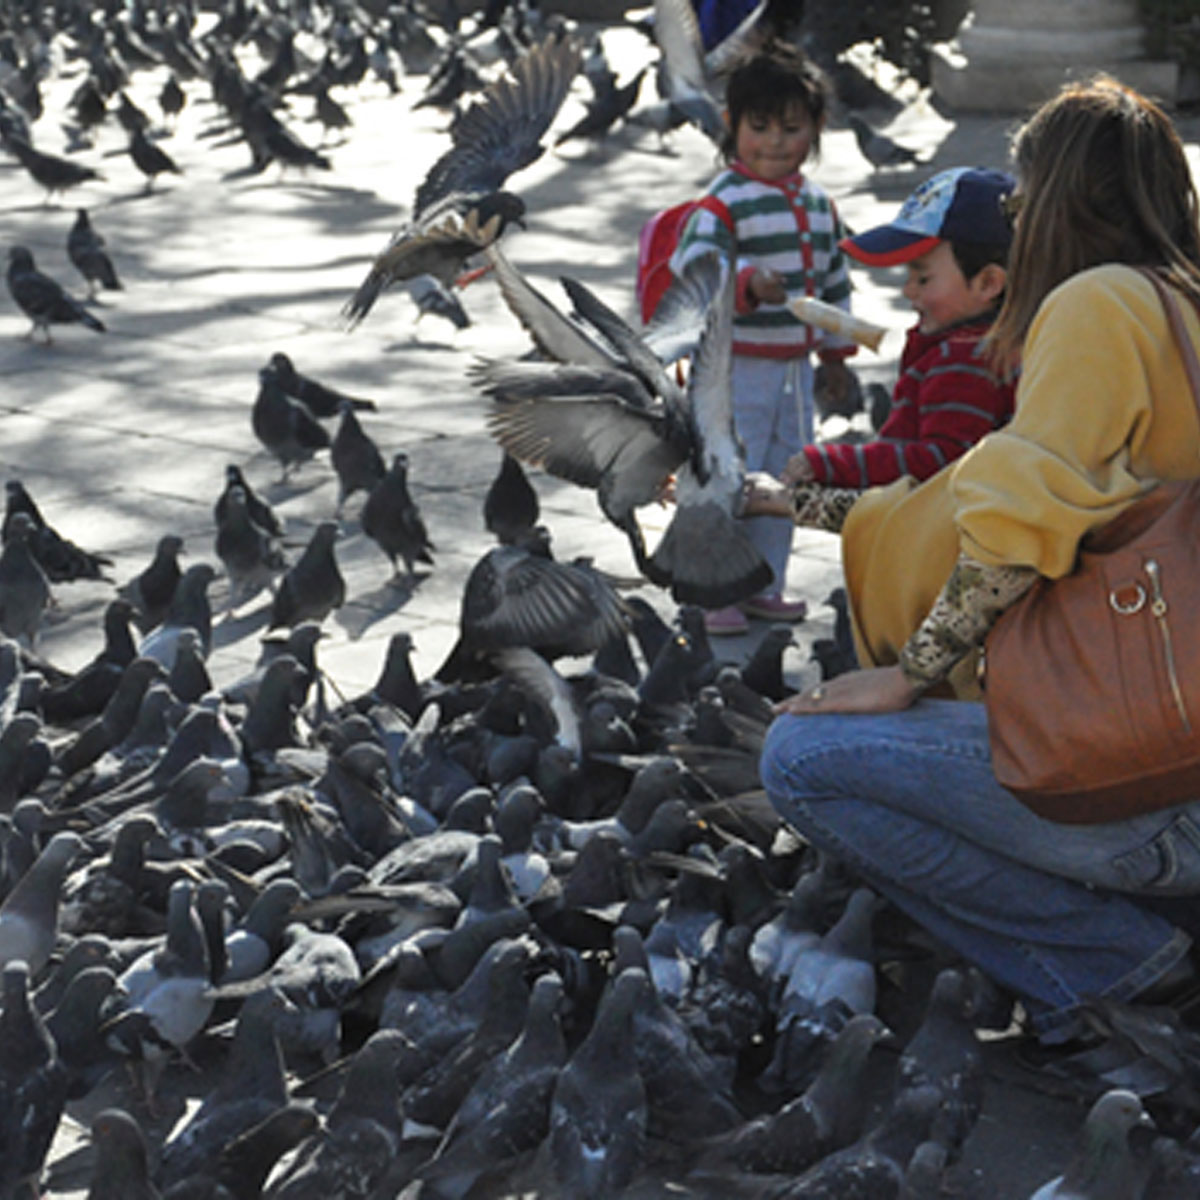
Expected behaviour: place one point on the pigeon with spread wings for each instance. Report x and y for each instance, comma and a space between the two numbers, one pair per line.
608, 415
460, 207
688, 78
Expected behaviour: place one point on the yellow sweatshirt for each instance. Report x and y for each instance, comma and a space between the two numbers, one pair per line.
1103, 410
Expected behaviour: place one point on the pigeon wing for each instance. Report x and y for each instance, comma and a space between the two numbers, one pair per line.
502, 130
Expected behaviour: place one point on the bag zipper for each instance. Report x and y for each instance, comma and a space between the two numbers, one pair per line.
1158, 606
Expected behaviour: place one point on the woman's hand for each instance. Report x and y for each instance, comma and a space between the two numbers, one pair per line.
877, 690
765, 496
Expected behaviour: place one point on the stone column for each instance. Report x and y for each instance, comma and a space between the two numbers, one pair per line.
1010, 55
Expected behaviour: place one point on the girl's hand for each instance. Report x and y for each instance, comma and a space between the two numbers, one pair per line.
797, 470
764, 496
766, 287
876, 690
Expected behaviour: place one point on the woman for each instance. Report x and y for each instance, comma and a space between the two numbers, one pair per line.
901, 786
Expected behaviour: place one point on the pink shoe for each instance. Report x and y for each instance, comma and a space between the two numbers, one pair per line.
726, 622
771, 606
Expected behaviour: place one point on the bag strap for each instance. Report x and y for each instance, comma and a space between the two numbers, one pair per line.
1191, 362
718, 208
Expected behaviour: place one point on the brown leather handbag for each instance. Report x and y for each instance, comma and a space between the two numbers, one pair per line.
1093, 680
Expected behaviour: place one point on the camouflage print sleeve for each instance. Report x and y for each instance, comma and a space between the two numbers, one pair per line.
969, 605
819, 507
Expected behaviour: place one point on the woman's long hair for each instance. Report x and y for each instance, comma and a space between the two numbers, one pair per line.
1103, 179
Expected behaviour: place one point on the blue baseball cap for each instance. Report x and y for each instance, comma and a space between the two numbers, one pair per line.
963, 204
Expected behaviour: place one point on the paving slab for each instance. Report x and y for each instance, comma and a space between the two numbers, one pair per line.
124, 436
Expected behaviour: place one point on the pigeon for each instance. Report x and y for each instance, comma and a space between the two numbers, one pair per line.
85, 248
131, 118
320, 399
171, 98
120, 1166
438, 246
391, 519
430, 295
945, 1053
169, 992
874, 1166
62, 560
459, 209
521, 597
250, 555
189, 609
24, 588
53, 173
152, 160
877, 148
29, 913
286, 428
355, 458
510, 507
329, 112
687, 76
1103, 1167
33, 1086
261, 513
598, 1109
151, 590
607, 106
313, 586
620, 424
41, 298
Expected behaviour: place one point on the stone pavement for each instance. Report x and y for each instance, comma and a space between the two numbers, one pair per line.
123, 437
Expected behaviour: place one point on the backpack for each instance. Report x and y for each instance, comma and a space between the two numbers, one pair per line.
657, 242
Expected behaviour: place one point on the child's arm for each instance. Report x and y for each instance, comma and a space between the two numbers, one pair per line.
955, 406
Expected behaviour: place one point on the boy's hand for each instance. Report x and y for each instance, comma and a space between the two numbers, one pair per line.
837, 382
766, 287
797, 470
764, 496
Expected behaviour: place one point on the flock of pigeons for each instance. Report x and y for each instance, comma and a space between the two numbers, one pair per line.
528, 926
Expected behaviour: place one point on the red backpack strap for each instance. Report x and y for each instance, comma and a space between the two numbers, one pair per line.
718, 208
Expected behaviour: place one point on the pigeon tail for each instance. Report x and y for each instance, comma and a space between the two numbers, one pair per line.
708, 558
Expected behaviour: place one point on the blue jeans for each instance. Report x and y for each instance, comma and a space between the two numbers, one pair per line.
773, 413
909, 799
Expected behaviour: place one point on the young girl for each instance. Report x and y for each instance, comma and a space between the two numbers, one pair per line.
901, 786
782, 237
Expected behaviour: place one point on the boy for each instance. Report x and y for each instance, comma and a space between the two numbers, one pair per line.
952, 234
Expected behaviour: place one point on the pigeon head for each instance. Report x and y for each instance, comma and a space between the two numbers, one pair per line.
283, 366
20, 258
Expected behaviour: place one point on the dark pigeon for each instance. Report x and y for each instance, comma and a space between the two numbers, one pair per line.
392, 520
510, 507
62, 560
313, 587
152, 160
85, 248
150, 591
53, 173
320, 399
285, 427
355, 458
41, 298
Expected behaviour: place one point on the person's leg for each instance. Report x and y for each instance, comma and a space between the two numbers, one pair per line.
910, 801
765, 415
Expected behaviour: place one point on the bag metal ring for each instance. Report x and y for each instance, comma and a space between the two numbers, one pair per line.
1127, 607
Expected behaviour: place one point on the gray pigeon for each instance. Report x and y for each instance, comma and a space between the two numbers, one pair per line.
285, 427
41, 298
313, 587
430, 295
598, 1111
877, 148
85, 248
606, 414
24, 588
150, 591
189, 609
355, 457
1103, 1167
510, 507
120, 1166
392, 520
152, 160
250, 555
29, 914
33, 1086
